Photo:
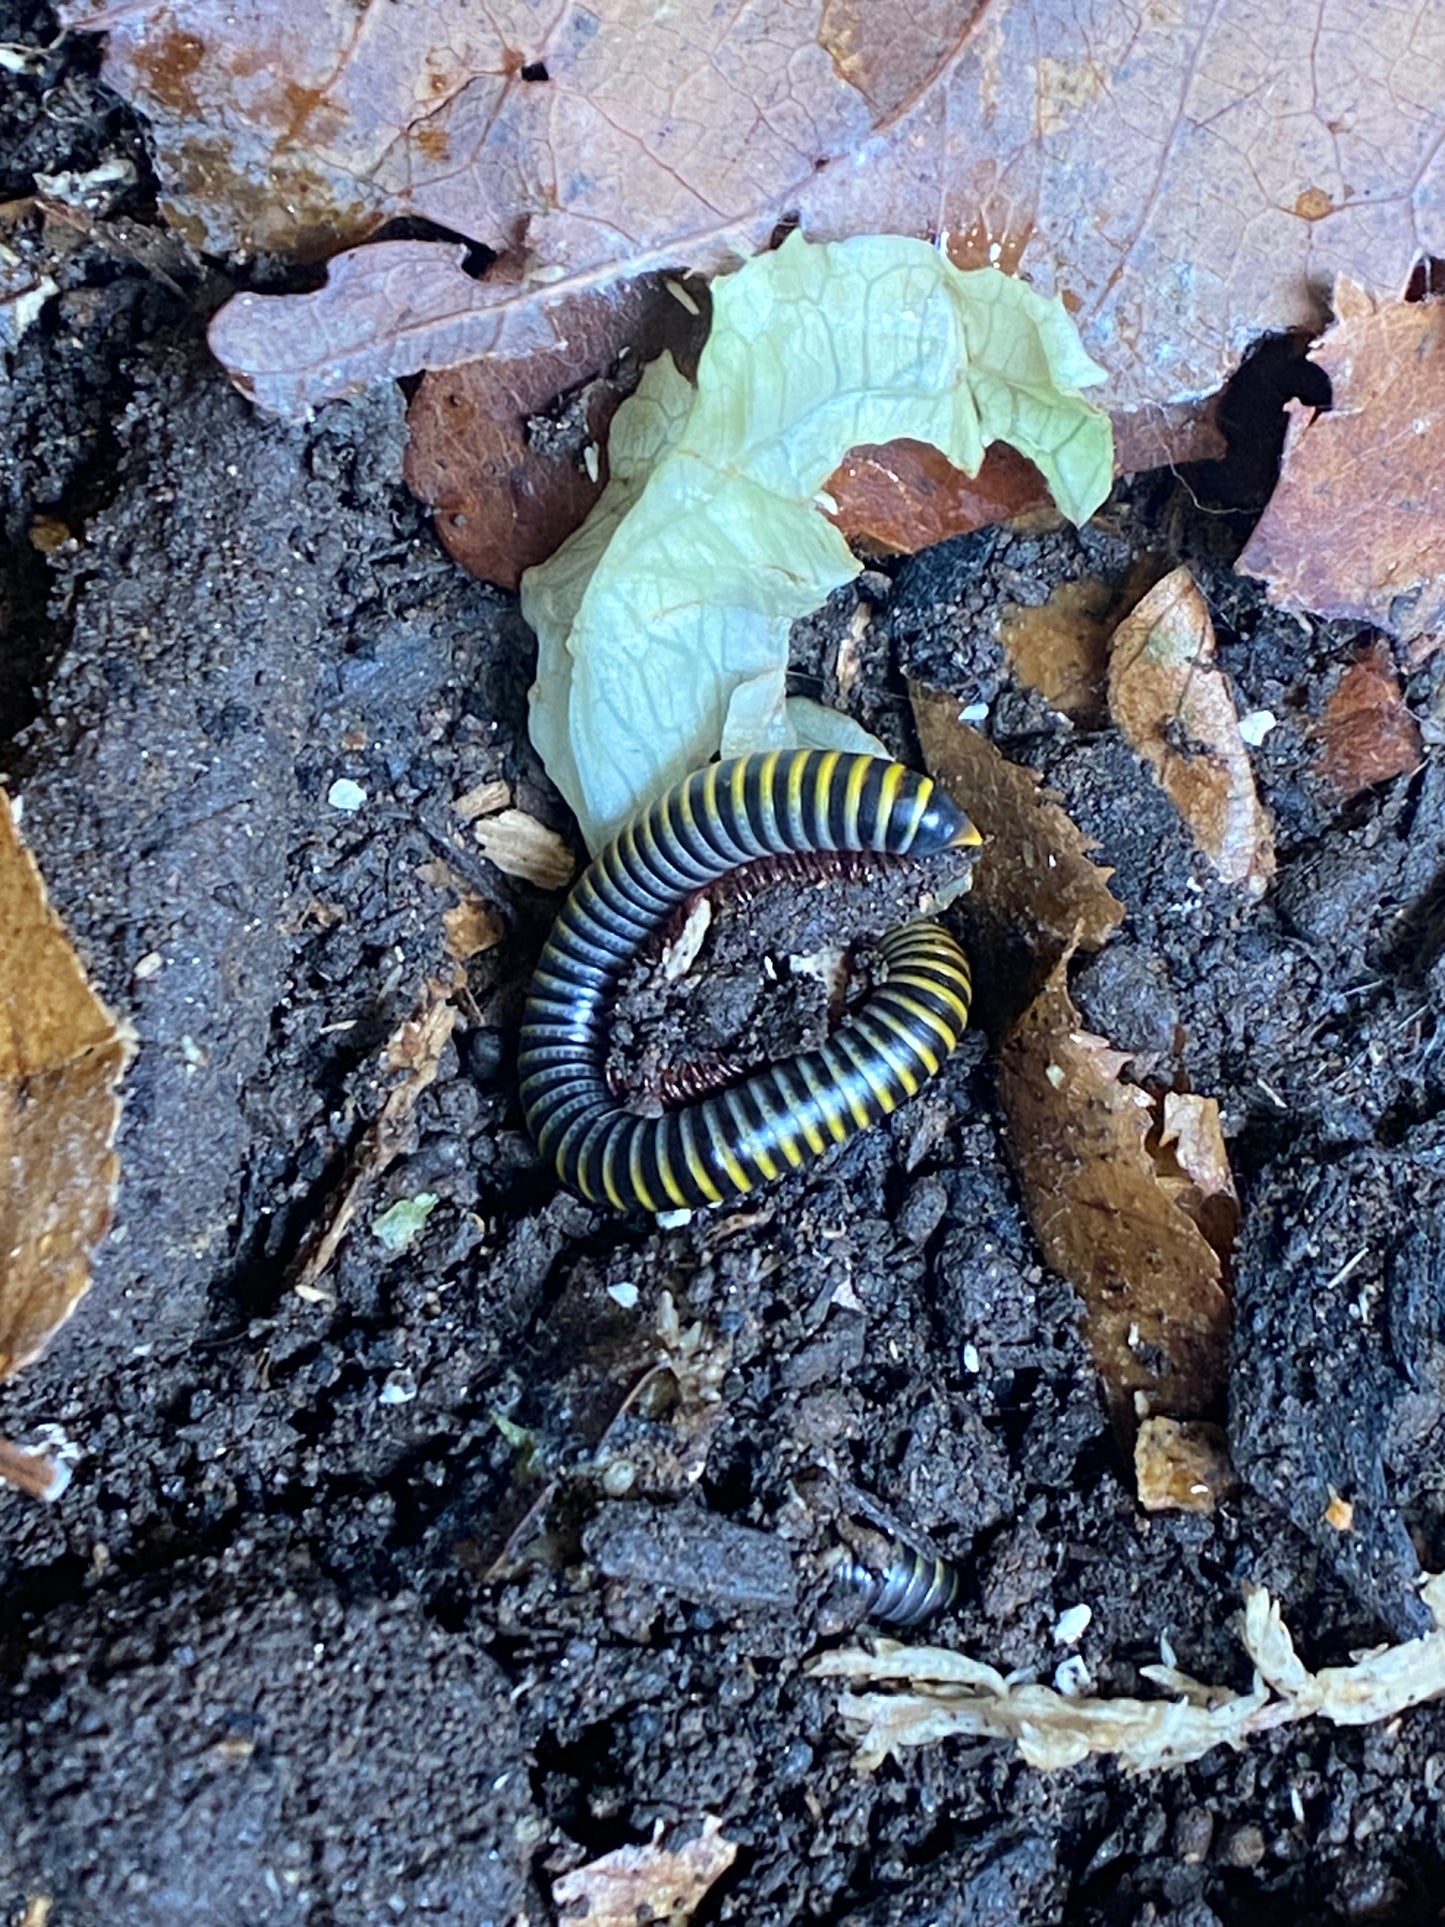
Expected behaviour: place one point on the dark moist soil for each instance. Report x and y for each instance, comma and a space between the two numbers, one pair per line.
397, 1600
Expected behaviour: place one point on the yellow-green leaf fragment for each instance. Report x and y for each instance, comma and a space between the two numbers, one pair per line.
403, 1222
663, 623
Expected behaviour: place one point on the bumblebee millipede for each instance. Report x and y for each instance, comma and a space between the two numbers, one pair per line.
778, 803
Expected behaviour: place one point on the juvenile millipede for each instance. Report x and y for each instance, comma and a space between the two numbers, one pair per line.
912, 1587
779, 1118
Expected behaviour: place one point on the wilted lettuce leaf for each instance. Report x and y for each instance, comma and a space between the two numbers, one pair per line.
663, 623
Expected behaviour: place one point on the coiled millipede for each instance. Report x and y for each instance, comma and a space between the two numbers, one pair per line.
911, 1587
781, 1117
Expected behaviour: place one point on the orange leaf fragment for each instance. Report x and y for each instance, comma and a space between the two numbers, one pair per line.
471, 927
1366, 734
645, 1883
905, 495
1356, 526
62, 1055
1176, 710
1035, 876
1156, 1312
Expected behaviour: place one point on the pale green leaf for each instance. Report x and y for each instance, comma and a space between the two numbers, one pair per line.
403, 1223
663, 623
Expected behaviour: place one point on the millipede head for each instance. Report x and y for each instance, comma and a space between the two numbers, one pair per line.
944, 826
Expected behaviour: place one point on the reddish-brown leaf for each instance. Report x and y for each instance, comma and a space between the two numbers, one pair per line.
1080, 142
1366, 734
905, 495
1356, 527
507, 494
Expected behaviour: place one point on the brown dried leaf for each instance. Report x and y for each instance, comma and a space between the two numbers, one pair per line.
1176, 710
505, 498
522, 847
1157, 1316
904, 495
471, 927
1366, 734
1356, 526
1035, 877
62, 1055
668, 1882
680, 141
1182, 1465
1193, 1166
1061, 646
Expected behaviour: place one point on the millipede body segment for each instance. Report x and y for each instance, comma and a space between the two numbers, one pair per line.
781, 1117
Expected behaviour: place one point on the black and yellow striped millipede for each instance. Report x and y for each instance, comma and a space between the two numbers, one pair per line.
783, 1116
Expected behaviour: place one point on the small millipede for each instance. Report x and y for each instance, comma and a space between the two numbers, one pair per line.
912, 1587
783, 1116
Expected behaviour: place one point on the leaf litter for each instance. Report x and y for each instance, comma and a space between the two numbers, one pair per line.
647, 1882
1356, 526
1367, 735
588, 146
1152, 1284
662, 625
505, 496
1176, 709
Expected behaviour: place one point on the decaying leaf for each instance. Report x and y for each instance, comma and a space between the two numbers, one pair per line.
662, 625
1156, 1312
62, 1055
1083, 142
947, 1694
1193, 1166
1035, 876
1182, 1465
1061, 646
471, 927
506, 494
1356, 526
522, 847
904, 495
1367, 735
1175, 708
646, 1883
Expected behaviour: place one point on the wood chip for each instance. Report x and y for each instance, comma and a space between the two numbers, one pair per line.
1182, 1465
522, 847
485, 800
